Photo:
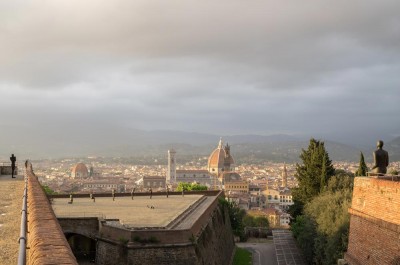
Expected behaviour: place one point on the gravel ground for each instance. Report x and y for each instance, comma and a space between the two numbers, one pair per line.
135, 213
11, 192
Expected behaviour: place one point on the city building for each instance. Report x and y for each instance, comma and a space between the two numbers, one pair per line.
200, 176
237, 187
154, 182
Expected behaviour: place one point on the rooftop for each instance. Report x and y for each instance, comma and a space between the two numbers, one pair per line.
140, 212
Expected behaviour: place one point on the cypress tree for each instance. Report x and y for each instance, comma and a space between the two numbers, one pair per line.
313, 173
323, 175
362, 167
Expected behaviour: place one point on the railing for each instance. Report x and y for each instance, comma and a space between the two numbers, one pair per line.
384, 176
22, 235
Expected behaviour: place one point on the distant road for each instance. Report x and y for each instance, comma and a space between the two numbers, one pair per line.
263, 253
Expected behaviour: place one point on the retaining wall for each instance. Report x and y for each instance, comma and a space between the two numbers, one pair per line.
46, 241
374, 222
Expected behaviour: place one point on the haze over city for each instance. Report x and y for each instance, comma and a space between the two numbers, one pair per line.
78, 71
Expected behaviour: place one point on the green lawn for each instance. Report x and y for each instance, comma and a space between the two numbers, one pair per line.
242, 257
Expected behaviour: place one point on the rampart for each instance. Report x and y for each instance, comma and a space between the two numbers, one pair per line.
374, 223
46, 241
208, 240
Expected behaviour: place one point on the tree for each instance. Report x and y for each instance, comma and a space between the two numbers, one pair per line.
185, 186
362, 167
261, 221
322, 230
48, 190
248, 221
196, 186
236, 217
312, 175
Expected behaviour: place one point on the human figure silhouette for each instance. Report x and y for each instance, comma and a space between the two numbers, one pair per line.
13, 160
381, 159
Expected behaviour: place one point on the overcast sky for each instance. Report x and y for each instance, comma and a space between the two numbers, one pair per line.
312, 68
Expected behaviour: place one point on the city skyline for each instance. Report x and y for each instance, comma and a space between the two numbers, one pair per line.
317, 69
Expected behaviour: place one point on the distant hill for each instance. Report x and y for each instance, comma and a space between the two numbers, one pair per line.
393, 147
85, 140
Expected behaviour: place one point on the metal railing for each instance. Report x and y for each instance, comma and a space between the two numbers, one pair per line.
384, 176
22, 235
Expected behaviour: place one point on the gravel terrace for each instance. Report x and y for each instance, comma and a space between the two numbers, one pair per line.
131, 213
11, 192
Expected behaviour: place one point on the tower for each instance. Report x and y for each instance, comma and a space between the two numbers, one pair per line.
171, 173
284, 176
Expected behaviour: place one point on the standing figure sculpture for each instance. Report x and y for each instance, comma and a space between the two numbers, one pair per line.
13, 160
381, 159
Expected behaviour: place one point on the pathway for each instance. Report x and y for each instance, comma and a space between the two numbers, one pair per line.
11, 192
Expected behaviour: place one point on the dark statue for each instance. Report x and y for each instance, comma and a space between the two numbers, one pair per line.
381, 159
13, 159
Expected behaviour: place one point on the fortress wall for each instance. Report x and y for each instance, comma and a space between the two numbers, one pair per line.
46, 241
378, 198
214, 244
374, 223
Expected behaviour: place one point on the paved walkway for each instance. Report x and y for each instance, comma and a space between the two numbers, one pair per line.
263, 253
287, 252
11, 192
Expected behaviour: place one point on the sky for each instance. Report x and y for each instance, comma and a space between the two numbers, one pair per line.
326, 69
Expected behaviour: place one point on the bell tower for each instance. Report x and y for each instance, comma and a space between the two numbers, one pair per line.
171, 173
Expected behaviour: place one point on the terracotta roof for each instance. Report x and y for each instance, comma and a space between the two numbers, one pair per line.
80, 167
216, 159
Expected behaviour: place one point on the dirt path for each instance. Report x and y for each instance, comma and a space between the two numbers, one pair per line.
11, 192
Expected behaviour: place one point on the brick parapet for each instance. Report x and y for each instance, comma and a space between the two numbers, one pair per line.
46, 241
379, 198
374, 222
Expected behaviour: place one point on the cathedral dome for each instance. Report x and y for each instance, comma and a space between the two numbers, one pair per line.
220, 159
217, 157
79, 171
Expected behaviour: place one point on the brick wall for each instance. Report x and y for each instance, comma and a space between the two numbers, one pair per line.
374, 223
46, 241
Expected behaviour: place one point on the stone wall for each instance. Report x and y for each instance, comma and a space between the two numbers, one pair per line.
86, 226
7, 170
374, 223
46, 241
212, 243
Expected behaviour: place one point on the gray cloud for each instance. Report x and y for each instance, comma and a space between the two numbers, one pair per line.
326, 68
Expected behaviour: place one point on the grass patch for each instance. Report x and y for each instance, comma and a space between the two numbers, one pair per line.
242, 257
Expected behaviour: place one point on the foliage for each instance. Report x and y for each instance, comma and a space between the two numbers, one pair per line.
304, 230
185, 186
242, 257
255, 221
248, 221
362, 167
314, 173
393, 172
48, 190
261, 221
236, 217
321, 202
322, 230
